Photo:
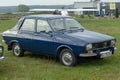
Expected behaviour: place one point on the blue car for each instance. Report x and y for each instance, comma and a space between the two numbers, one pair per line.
60, 36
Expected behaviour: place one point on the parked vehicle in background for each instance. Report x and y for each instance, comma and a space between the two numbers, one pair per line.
59, 36
1, 52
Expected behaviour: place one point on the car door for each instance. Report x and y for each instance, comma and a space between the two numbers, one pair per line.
26, 33
43, 39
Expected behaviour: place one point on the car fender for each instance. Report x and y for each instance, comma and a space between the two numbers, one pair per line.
59, 48
11, 43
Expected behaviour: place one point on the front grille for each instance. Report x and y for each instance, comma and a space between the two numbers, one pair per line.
104, 44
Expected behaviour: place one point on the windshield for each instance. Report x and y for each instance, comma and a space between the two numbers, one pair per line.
61, 24
57, 24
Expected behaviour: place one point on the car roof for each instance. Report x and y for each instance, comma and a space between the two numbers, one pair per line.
46, 16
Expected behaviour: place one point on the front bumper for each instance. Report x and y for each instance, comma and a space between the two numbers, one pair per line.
101, 54
1, 58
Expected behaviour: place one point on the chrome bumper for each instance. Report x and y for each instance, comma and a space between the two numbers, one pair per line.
102, 54
87, 55
3, 41
1, 58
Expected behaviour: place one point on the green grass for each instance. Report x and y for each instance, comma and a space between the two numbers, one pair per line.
7, 24
32, 67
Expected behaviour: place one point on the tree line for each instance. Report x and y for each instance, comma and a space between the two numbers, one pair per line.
23, 8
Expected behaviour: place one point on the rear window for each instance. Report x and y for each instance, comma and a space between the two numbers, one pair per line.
28, 25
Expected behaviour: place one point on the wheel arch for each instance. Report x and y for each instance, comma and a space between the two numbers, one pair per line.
11, 43
61, 47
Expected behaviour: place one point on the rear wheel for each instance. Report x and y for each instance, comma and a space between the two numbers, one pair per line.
67, 58
17, 50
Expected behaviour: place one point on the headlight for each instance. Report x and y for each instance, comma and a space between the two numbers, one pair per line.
88, 46
112, 42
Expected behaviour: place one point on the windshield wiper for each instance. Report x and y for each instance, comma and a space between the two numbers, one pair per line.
82, 29
62, 30
74, 27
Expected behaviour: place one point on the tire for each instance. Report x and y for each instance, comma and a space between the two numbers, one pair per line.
67, 58
17, 50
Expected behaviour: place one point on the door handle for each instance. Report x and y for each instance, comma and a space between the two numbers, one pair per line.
35, 34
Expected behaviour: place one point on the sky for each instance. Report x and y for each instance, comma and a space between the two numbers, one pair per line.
41, 2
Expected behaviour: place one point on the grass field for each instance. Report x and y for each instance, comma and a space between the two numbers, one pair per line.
32, 67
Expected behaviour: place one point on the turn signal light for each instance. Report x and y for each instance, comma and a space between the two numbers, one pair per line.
89, 52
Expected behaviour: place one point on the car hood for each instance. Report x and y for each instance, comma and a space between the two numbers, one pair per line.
85, 37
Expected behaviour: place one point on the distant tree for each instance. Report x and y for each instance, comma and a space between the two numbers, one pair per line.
63, 7
23, 8
116, 13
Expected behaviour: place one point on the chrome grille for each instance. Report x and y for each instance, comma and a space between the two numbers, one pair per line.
102, 44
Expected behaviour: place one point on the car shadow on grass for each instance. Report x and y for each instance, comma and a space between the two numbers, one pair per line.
38, 56
91, 61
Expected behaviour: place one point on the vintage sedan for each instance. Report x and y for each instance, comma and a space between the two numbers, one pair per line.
1, 52
60, 36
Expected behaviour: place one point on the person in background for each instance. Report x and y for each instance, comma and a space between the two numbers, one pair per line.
56, 12
61, 12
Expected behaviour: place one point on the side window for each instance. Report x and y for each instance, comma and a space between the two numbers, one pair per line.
28, 25
43, 26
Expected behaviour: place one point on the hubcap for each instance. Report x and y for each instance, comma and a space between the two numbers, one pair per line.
67, 58
17, 50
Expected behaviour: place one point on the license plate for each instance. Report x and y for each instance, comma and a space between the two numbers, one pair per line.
104, 54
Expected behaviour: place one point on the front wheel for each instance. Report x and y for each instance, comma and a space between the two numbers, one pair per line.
17, 50
67, 58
